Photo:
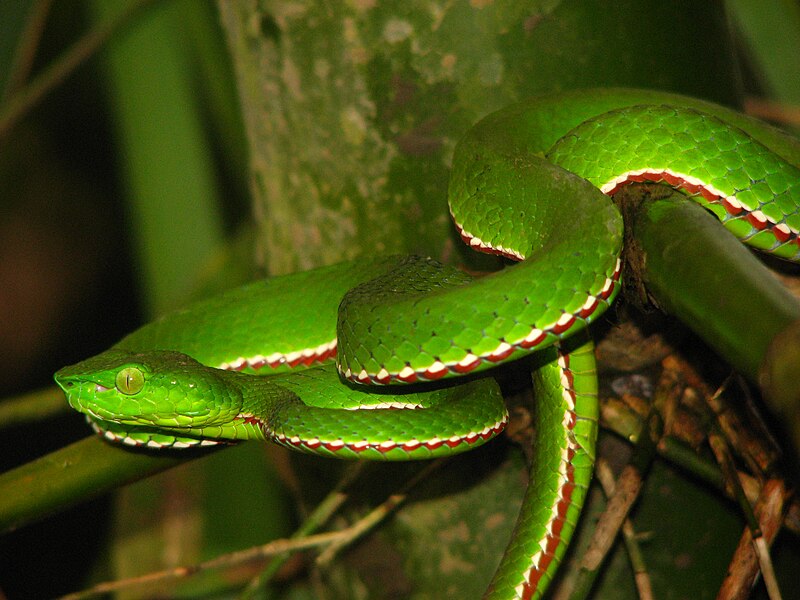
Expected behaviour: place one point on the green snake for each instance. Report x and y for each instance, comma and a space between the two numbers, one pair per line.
530, 182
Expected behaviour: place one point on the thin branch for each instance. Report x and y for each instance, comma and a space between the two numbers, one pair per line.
376, 515
752, 553
628, 422
26, 98
785, 114
320, 515
32, 407
22, 62
626, 492
233, 559
642, 579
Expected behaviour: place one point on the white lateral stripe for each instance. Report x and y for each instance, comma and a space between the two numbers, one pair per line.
387, 406
732, 201
503, 348
405, 372
565, 319
278, 358
437, 367
475, 242
590, 302
469, 360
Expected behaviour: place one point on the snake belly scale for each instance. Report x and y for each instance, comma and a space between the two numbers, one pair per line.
351, 350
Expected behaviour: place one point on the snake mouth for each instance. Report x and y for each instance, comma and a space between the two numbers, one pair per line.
82, 395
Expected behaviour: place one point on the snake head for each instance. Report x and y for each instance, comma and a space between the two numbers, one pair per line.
156, 388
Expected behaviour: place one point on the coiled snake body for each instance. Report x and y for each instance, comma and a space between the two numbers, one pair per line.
528, 182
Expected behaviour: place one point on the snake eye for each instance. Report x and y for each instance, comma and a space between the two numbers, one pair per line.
130, 380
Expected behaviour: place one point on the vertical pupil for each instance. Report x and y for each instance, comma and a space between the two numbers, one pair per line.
129, 380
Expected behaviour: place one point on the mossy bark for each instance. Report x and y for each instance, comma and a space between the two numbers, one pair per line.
352, 110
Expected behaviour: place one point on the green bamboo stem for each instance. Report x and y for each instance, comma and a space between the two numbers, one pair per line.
74, 474
697, 272
32, 407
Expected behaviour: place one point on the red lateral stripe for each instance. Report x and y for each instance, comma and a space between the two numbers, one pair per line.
532, 343
587, 311
411, 378
481, 246
461, 367
730, 208
673, 179
558, 329
570, 380
432, 374
258, 363
563, 499
572, 420
386, 446
757, 220
781, 235
606, 294
498, 356
754, 217
295, 362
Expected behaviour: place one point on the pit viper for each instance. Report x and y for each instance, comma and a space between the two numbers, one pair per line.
532, 183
